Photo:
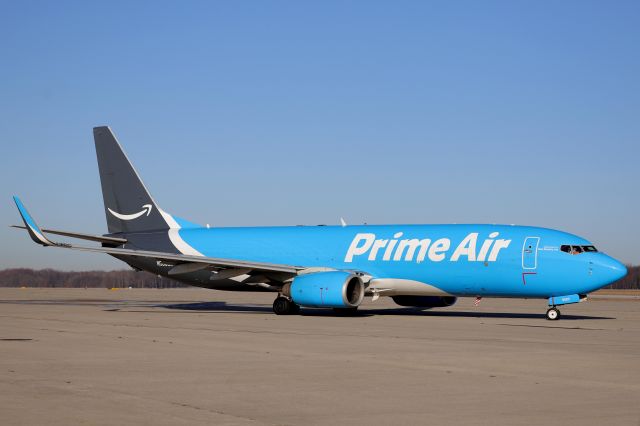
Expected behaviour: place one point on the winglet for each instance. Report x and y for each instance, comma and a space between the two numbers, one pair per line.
32, 227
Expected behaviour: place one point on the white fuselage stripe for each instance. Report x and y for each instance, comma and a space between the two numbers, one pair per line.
174, 236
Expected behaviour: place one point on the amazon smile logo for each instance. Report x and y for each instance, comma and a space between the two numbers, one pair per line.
145, 209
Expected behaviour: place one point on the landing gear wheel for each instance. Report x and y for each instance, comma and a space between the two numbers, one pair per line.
553, 314
284, 306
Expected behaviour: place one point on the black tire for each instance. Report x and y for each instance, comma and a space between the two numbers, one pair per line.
283, 306
553, 314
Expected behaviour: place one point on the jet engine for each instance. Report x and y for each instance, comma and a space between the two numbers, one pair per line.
332, 289
425, 301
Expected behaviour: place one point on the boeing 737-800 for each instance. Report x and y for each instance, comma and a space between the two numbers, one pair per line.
336, 266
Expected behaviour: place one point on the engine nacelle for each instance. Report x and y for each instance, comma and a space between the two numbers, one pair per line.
333, 289
425, 301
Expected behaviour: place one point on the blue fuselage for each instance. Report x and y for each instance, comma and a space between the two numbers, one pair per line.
480, 260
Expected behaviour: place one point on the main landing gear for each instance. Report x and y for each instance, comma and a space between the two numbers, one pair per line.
285, 306
553, 313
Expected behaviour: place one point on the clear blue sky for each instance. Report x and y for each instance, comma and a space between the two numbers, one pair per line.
276, 113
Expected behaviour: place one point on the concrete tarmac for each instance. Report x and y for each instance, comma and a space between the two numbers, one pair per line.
192, 356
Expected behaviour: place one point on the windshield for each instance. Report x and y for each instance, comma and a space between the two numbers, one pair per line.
577, 249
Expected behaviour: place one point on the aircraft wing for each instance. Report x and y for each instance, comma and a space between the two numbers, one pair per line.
38, 236
184, 258
97, 238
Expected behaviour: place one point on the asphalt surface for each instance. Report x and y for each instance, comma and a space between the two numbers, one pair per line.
205, 357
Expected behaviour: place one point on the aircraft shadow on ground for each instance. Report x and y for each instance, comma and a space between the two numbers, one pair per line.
220, 307
216, 307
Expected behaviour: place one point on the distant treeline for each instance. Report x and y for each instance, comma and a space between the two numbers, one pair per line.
23, 277
630, 282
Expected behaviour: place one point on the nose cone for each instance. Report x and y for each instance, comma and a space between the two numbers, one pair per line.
610, 270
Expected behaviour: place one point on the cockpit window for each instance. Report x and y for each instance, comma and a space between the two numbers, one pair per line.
577, 249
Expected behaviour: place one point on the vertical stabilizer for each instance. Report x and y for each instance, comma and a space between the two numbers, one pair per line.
127, 204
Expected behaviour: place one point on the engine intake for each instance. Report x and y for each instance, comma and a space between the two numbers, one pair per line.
425, 301
333, 289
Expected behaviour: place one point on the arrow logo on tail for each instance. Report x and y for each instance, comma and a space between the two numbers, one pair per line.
145, 208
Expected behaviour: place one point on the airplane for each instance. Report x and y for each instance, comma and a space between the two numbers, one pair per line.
423, 266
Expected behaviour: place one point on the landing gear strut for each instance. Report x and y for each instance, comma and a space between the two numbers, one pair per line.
285, 306
553, 313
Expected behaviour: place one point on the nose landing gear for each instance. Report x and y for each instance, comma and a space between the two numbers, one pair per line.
553, 313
